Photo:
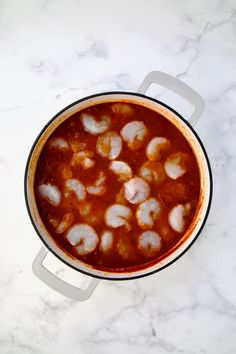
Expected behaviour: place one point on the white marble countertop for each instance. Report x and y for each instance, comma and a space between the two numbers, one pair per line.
55, 52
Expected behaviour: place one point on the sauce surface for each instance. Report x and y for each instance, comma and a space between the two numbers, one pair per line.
115, 216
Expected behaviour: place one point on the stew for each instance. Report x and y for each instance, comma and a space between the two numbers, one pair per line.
117, 185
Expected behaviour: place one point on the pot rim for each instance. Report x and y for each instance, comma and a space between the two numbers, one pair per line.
130, 277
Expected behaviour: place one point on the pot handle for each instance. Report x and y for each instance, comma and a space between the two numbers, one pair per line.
179, 88
58, 284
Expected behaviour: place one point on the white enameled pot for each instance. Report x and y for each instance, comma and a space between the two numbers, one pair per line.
184, 126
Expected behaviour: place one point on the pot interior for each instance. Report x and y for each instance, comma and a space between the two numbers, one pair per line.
184, 128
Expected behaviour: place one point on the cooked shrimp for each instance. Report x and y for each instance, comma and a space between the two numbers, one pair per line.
147, 213
175, 165
152, 172
123, 109
77, 145
65, 223
54, 221
118, 215
75, 186
125, 248
155, 147
58, 143
83, 237
166, 231
134, 134
121, 169
85, 208
51, 193
95, 218
83, 158
149, 243
99, 187
136, 190
177, 217
66, 172
109, 145
90, 214
106, 242
120, 197
101, 179
94, 126
99, 190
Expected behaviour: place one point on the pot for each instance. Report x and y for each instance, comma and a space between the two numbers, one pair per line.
184, 126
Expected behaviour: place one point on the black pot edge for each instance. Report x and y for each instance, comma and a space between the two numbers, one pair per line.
123, 93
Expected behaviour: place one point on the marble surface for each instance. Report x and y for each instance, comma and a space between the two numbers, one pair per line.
55, 52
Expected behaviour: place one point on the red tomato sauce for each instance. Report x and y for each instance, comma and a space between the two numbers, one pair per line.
54, 167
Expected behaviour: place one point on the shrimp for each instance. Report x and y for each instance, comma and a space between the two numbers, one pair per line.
147, 213
66, 172
152, 172
83, 158
149, 243
85, 209
166, 231
125, 248
155, 147
177, 217
123, 109
121, 169
99, 187
83, 237
65, 223
96, 190
175, 165
136, 190
58, 143
118, 215
101, 178
53, 221
51, 193
90, 214
109, 145
75, 186
77, 145
120, 197
93, 126
134, 134
106, 242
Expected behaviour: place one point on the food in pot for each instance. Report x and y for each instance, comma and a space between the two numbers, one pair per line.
155, 147
109, 145
147, 213
117, 186
134, 134
136, 190
122, 170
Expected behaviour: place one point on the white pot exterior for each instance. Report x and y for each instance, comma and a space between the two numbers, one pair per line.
205, 183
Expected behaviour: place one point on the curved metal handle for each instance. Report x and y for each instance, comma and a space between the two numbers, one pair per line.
58, 284
179, 88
